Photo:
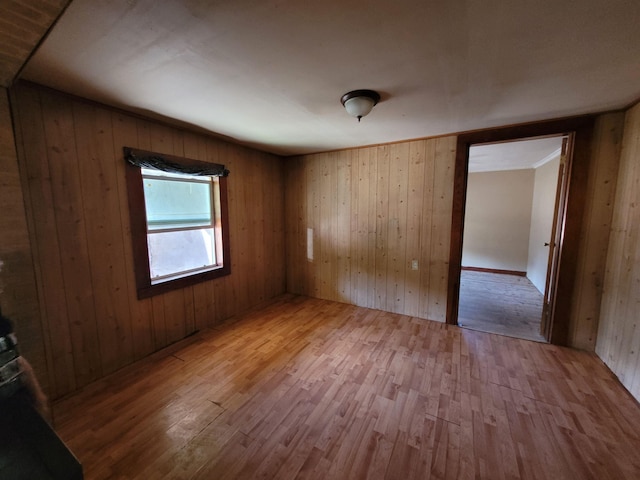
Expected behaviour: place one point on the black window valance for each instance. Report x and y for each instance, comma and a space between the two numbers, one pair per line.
173, 164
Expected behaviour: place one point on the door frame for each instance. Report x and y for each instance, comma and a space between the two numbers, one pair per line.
581, 127
555, 238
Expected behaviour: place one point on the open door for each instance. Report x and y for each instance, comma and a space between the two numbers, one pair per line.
566, 237
555, 241
509, 218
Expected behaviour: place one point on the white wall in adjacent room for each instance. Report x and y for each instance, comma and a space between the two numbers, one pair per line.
498, 220
544, 195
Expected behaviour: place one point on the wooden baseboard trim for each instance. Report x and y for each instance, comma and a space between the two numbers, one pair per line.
495, 270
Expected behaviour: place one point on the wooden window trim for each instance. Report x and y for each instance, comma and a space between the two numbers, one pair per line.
138, 221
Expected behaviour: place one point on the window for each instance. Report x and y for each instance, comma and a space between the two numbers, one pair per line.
178, 221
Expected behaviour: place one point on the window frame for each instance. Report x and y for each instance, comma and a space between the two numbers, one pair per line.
138, 221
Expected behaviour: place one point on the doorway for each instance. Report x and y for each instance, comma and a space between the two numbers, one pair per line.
556, 317
508, 226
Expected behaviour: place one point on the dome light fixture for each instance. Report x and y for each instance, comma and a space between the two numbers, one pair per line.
358, 103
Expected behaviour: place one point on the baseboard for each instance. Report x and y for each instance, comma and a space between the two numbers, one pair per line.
495, 270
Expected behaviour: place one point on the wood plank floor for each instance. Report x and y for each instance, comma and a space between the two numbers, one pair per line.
498, 303
306, 388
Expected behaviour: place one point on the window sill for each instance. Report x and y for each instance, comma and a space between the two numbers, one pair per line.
181, 282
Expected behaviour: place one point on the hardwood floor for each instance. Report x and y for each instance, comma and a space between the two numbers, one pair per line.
497, 303
306, 388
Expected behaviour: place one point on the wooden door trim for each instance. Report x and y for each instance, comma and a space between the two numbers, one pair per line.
555, 240
582, 127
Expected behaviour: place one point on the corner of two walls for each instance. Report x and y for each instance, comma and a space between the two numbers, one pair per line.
356, 221
596, 230
359, 218
19, 295
71, 164
618, 343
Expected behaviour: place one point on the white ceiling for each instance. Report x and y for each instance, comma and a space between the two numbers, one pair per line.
270, 73
518, 155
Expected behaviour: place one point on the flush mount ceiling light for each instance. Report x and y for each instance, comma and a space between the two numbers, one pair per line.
358, 103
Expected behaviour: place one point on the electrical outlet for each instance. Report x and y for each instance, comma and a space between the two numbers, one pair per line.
414, 264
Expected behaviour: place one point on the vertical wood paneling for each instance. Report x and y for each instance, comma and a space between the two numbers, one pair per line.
77, 208
274, 276
354, 226
327, 222
618, 332
415, 195
295, 237
272, 211
18, 290
381, 227
343, 228
598, 211
105, 243
361, 285
239, 227
24, 24
370, 212
389, 234
125, 132
332, 251
260, 216
371, 156
397, 233
425, 229
175, 318
373, 210
70, 233
38, 192
445, 150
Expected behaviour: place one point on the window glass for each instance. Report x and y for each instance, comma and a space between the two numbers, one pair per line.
177, 203
182, 251
179, 221
180, 224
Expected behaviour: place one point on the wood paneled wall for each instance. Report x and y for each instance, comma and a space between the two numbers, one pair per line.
22, 26
357, 218
74, 184
595, 232
18, 293
619, 334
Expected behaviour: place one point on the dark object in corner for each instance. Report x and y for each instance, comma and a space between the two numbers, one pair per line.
29, 448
